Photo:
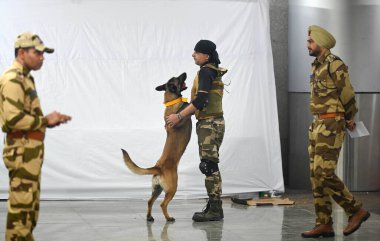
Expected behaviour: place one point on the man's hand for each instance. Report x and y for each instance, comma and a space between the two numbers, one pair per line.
55, 119
350, 124
172, 120
65, 118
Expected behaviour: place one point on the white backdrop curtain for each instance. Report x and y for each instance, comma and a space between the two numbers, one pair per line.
110, 55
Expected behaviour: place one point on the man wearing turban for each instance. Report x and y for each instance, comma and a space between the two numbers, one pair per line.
206, 104
332, 102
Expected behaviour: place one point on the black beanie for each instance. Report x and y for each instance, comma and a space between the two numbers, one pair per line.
205, 47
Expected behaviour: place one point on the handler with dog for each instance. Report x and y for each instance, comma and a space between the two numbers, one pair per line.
206, 104
22, 120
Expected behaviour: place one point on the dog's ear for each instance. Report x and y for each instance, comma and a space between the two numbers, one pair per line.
183, 76
161, 87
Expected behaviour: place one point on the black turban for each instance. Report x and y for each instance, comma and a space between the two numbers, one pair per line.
208, 47
205, 47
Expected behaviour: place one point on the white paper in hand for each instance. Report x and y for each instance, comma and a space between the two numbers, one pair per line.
359, 131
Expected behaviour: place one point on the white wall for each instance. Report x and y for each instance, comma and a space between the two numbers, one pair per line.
110, 55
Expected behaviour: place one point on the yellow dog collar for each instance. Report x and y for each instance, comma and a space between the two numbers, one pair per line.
180, 99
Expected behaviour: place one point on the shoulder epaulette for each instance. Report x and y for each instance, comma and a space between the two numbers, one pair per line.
331, 58
221, 71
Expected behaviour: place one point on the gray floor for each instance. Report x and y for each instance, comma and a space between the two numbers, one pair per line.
125, 220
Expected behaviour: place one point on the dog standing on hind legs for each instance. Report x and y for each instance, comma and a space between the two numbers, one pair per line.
164, 173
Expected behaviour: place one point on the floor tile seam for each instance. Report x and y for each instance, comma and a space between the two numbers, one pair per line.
94, 230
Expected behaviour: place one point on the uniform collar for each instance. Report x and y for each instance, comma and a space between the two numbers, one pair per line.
25, 71
323, 57
208, 62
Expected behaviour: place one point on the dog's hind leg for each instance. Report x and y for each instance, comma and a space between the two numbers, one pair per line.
170, 187
156, 191
164, 205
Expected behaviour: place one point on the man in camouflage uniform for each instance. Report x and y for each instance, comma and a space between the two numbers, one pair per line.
206, 103
333, 105
24, 124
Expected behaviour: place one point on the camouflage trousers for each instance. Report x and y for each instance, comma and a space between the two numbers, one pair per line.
210, 137
23, 158
325, 141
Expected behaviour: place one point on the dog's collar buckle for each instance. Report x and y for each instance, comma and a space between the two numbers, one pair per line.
180, 99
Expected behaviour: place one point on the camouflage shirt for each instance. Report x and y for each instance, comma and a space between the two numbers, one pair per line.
20, 107
330, 87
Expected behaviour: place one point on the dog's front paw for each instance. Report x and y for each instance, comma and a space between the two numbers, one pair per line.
170, 219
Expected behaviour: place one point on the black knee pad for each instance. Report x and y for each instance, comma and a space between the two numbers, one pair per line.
208, 167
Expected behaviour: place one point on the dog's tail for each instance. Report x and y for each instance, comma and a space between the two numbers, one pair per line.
138, 170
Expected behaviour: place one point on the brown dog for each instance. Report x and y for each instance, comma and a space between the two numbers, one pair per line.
165, 171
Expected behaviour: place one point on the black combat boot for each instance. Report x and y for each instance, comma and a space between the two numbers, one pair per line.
205, 209
214, 213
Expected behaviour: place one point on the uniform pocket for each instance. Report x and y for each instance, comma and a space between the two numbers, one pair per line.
339, 136
13, 157
209, 152
9, 153
21, 194
328, 84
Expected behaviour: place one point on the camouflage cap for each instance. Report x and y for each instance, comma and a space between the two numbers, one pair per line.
27, 40
321, 36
